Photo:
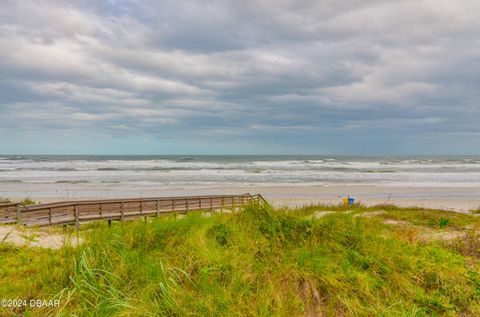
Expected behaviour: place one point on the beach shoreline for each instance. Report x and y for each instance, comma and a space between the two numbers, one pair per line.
446, 198
443, 182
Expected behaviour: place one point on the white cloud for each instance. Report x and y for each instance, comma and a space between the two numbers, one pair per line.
204, 67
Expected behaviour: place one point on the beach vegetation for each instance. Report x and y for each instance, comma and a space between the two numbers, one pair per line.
310, 261
28, 201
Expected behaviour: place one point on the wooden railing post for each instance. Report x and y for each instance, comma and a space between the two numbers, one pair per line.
101, 211
158, 208
211, 203
121, 211
19, 214
77, 217
50, 216
187, 201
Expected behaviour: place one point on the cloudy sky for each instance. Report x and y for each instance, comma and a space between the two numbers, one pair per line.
199, 77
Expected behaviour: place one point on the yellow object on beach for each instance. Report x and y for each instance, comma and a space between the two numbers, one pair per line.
345, 200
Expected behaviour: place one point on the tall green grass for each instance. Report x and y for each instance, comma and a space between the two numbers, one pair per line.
258, 262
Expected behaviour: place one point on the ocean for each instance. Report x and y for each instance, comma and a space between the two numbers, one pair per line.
52, 175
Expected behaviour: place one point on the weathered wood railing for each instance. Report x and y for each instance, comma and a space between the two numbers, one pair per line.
75, 212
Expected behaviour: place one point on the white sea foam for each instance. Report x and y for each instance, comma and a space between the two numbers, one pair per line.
31, 174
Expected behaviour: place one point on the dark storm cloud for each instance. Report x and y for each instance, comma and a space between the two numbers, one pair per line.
302, 74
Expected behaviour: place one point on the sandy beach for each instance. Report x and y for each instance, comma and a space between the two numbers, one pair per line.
456, 199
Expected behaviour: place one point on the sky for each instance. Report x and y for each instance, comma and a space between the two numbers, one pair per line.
362, 77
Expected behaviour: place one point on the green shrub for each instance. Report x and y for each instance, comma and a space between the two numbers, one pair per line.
220, 233
28, 201
443, 222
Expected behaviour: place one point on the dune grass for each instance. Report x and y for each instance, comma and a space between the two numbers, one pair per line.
28, 201
258, 262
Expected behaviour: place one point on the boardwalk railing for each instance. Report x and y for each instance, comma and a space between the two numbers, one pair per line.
75, 212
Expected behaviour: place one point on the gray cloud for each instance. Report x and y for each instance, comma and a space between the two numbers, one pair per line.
287, 76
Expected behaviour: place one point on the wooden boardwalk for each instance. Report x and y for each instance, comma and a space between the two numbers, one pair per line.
75, 212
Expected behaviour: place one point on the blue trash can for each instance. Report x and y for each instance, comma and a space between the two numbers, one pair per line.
351, 200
